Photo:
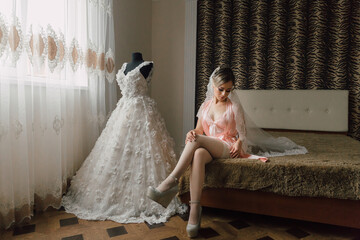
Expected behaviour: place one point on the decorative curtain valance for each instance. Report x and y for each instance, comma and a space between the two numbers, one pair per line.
69, 44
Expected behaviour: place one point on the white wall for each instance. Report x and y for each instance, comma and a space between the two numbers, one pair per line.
132, 23
156, 29
168, 28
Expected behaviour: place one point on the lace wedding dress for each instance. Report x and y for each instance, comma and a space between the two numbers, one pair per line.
134, 151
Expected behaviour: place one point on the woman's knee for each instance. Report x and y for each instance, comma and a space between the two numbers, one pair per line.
201, 156
200, 139
193, 144
199, 142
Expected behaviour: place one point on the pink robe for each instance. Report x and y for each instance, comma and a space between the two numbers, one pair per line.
224, 128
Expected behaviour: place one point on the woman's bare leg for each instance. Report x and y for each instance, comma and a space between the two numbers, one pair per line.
214, 146
197, 176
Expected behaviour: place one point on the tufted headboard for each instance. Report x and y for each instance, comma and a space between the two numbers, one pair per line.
315, 110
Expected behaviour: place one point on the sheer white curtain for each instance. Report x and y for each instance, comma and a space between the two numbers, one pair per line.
57, 89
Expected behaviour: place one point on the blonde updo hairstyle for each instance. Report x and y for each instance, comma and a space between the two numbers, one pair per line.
223, 75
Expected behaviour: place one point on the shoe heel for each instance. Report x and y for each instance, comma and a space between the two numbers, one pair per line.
163, 198
193, 229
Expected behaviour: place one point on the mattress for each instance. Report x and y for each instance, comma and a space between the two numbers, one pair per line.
331, 169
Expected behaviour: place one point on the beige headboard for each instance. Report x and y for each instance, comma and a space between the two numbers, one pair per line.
316, 110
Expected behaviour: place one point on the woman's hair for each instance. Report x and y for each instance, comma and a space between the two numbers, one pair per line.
223, 75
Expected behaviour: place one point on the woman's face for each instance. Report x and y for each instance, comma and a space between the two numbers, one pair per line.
222, 91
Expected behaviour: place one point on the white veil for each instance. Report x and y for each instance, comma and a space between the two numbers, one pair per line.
255, 140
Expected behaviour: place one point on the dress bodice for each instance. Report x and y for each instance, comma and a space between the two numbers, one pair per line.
133, 84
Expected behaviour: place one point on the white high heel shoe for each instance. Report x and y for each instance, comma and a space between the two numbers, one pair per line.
163, 198
193, 229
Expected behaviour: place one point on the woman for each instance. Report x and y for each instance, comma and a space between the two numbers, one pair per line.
222, 119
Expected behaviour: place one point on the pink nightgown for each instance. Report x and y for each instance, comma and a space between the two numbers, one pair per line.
224, 128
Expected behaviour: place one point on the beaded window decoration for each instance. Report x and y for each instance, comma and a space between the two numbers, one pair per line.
101, 62
3, 35
53, 52
91, 58
62, 51
36, 46
110, 65
75, 55
15, 40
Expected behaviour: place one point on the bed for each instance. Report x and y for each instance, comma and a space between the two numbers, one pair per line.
321, 186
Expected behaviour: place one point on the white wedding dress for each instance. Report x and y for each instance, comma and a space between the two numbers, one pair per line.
134, 151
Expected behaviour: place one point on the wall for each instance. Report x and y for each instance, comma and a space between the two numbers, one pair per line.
168, 28
156, 29
132, 23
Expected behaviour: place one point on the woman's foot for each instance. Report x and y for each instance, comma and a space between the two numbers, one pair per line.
194, 212
194, 222
164, 194
168, 183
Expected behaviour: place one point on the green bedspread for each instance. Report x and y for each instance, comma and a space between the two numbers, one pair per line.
330, 169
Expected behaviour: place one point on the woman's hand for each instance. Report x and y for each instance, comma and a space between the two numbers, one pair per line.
236, 151
190, 136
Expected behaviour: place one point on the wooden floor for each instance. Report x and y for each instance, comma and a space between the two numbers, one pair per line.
216, 224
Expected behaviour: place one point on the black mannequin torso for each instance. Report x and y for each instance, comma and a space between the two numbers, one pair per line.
136, 61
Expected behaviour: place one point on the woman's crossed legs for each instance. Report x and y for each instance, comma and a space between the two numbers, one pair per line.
197, 154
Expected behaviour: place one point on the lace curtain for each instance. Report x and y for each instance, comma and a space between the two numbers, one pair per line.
57, 89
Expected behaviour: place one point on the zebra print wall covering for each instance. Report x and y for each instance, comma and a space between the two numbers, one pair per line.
282, 44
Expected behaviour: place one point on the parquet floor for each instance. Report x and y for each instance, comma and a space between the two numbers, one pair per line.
216, 224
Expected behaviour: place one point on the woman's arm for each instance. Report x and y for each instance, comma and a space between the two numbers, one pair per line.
236, 149
199, 128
